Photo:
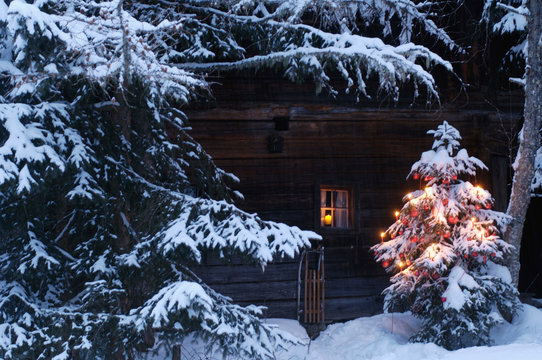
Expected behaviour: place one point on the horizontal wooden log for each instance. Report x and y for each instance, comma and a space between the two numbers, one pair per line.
222, 274
329, 110
339, 309
340, 263
259, 292
350, 308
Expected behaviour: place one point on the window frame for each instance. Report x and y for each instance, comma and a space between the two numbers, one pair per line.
350, 193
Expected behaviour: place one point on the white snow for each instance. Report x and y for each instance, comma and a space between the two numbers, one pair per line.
457, 279
385, 337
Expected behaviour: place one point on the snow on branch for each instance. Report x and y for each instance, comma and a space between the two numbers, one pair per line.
229, 328
307, 51
522, 10
390, 64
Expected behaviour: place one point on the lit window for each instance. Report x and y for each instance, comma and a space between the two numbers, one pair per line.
334, 208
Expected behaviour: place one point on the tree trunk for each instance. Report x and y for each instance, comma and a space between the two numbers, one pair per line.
176, 352
530, 139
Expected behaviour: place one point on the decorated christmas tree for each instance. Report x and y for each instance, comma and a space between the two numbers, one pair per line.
445, 250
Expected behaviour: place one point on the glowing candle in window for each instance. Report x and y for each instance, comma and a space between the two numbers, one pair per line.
328, 218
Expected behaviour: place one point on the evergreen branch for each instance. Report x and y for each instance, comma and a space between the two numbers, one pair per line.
522, 10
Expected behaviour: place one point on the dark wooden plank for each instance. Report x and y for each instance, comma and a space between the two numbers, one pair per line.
350, 308
336, 309
277, 309
340, 263
258, 292
221, 274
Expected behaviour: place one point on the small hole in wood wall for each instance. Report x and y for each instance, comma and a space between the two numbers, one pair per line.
282, 123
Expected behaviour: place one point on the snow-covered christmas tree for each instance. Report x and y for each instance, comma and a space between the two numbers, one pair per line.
445, 250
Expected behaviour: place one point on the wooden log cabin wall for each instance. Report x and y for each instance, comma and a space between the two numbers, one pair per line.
286, 144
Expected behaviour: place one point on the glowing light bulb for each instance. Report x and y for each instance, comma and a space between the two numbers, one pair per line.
431, 252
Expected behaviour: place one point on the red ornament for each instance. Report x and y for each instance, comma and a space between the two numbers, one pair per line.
475, 254
376, 253
422, 239
386, 263
425, 273
444, 202
446, 235
414, 213
443, 299
435, 276
400, 232
438, 232
402, 256
466, 256
488, 206
416, 176
469, 239
426, 206
414, 239
392, 236
428, 178
405, 222
477, 207
408, 263
446, 181
454, 177
453, 219
493, 255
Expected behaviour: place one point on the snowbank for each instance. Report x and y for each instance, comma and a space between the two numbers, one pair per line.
385, 337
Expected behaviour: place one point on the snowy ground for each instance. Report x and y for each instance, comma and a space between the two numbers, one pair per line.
385, 337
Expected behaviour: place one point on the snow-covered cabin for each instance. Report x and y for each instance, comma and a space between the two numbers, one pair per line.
301, 156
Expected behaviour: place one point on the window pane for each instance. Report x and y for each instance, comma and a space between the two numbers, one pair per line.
341, 218
341, 201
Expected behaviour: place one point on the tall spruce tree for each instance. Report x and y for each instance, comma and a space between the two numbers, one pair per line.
106, 200
446, 251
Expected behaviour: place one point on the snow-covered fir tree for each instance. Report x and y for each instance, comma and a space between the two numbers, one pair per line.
445, 250
106, 200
